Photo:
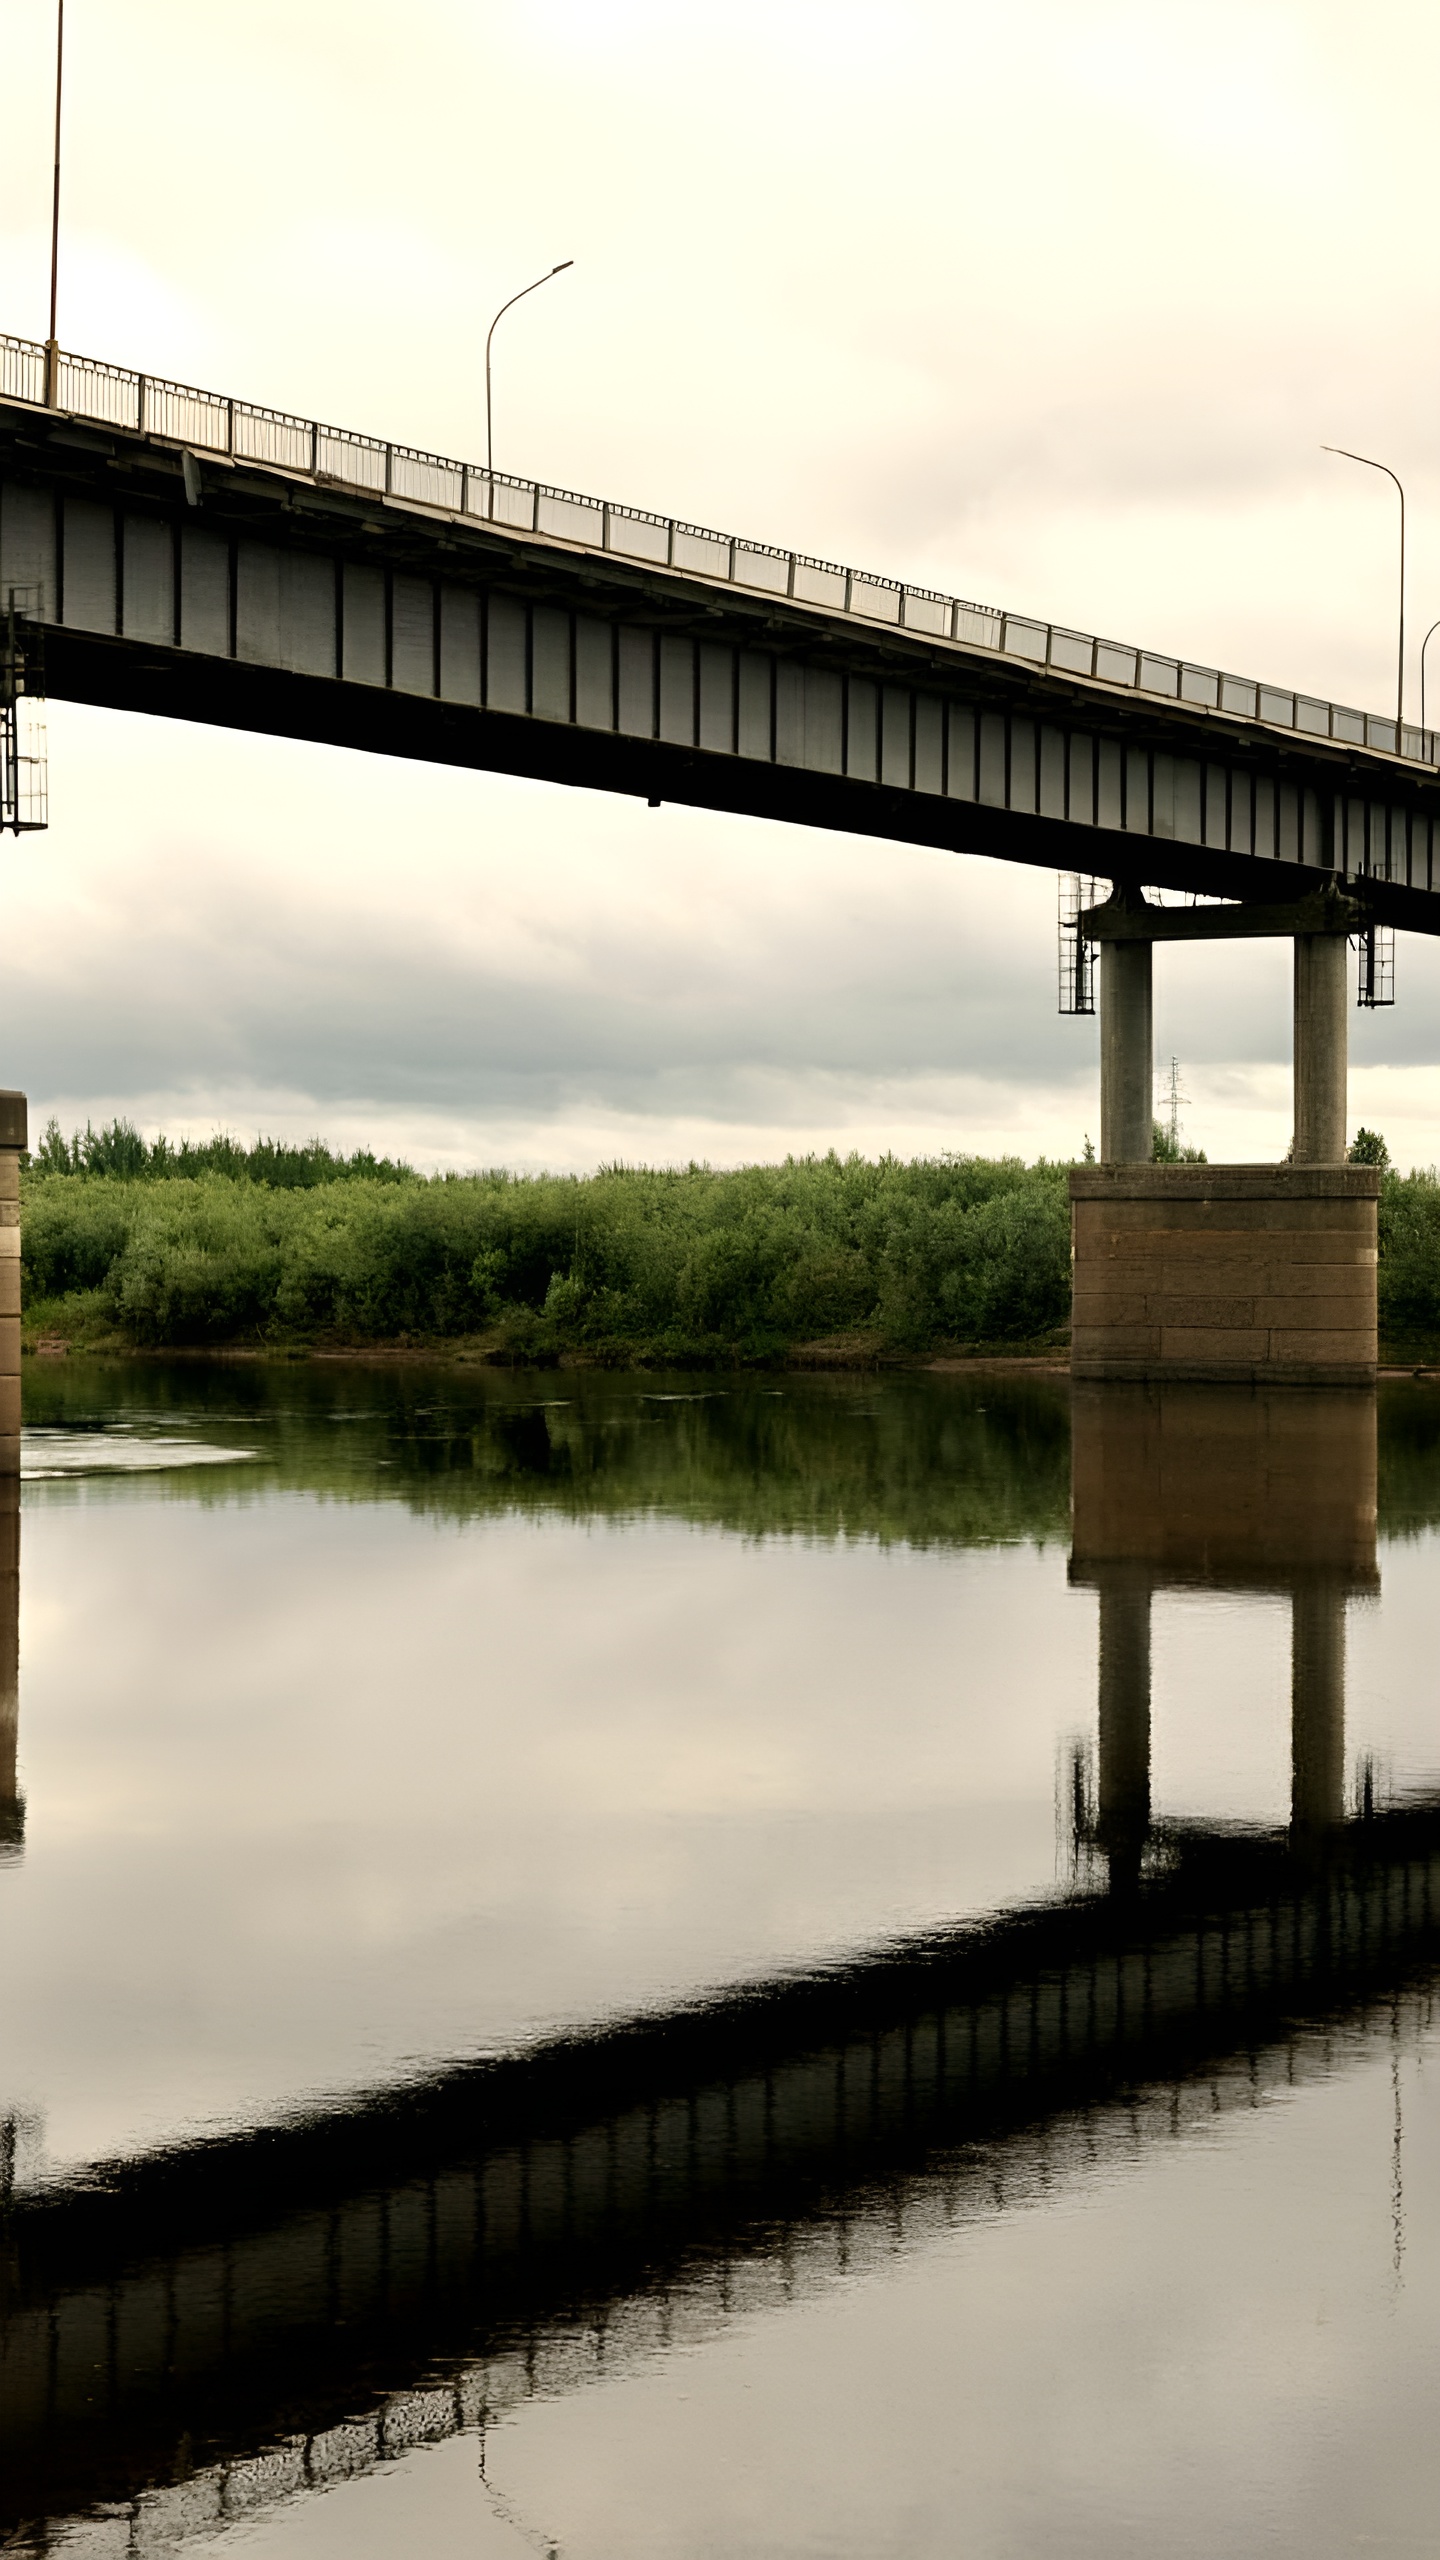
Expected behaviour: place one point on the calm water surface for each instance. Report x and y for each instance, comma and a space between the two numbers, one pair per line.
659, 1965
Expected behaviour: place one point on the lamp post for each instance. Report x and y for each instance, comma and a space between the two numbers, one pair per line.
52, 351
1424, 645
1348, 456
494, 325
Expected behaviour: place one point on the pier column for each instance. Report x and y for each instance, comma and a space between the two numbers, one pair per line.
1322, 1030
12, 1142
1123, 1811
1127, 1054
1317, 1708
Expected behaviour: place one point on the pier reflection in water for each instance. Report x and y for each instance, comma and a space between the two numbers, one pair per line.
12, 1803
852, 2188
1178, 1488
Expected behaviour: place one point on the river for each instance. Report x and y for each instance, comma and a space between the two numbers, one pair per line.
627, 1964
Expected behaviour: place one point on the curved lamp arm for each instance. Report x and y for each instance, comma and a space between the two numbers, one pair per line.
489, 334
1370, 465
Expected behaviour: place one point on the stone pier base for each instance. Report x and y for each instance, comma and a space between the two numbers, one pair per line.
1252, 1274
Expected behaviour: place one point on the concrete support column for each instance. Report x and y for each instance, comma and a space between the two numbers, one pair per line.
1322, 1032
1127, 1054
13, 1133
12, 1804
1317, 1708
1123, 1811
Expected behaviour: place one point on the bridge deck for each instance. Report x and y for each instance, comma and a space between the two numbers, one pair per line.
206, 559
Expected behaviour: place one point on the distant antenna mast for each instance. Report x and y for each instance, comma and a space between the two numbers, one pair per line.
1174, 1099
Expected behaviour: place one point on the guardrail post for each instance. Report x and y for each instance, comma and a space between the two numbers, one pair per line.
389, 458
790, 573
605, 527
230, 427
314, 446
140, 380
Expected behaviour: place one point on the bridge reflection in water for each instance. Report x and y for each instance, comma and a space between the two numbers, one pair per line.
188, 2335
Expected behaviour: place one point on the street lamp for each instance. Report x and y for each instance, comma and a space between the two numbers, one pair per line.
494, 325
1424, 645
52, 351
1344, 450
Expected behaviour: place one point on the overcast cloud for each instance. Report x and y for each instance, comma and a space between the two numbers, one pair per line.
1052, 305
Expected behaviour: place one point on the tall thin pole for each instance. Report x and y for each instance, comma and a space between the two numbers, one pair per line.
1424, 645
1390, 475
52, 351
494, 325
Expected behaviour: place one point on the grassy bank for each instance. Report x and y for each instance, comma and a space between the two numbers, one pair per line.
858, 1259
144, 1245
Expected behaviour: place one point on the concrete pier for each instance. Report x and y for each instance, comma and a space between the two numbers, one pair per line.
1321, 1048
1127, 1054
1230, 1273
1237, 1274
13, 1139
12, 1142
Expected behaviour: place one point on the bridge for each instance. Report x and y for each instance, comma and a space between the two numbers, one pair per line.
167, 550
203, 558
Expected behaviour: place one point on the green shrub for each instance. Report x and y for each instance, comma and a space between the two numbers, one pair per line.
1410, 1255
626, 1263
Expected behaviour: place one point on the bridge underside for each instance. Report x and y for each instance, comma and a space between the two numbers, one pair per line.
270, 601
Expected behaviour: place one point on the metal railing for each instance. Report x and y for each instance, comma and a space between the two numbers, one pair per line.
204, 421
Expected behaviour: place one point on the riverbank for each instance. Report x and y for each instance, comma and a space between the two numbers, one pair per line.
809, 1360
816, 1263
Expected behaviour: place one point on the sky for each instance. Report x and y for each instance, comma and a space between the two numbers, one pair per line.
1052, 305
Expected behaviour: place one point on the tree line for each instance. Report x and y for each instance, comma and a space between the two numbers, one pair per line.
145, 1242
